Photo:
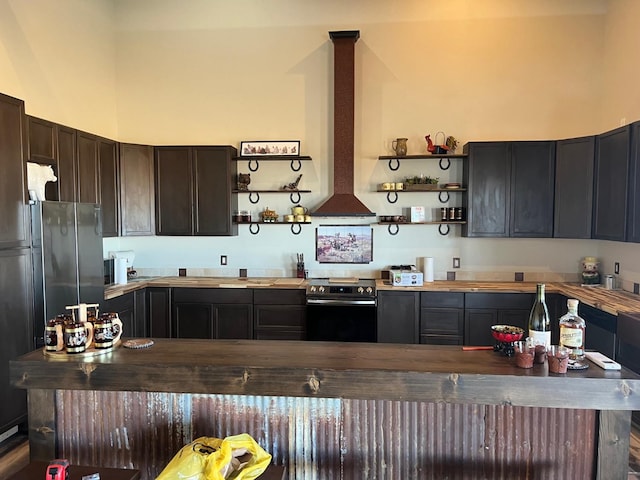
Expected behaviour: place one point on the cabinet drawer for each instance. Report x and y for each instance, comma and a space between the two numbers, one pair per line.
440, 299
440, 340
441, 320
280, 316
499, 300
279, 297
213, 295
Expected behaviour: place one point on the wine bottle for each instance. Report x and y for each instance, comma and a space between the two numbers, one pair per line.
572, 328
539, 325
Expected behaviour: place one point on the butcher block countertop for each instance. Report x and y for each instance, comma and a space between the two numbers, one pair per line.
610, 301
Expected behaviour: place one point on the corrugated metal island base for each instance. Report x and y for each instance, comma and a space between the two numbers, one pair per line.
333, 410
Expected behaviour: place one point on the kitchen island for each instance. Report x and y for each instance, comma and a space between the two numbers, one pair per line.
333, 410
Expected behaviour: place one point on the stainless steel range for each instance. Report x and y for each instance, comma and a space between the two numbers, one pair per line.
341, 310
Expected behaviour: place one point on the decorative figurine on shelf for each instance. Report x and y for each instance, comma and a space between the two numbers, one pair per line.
452, 143
292, 186
244, 179
269, 216
590, 273
439, 149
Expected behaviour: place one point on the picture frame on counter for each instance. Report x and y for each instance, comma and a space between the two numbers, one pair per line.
344, 244
262, 148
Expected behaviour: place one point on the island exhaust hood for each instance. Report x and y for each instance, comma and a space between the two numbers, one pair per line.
343, 202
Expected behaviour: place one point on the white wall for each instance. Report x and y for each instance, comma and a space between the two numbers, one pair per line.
216, 72
60, 58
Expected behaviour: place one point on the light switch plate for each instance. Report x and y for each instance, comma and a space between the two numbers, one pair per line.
456, 262
616, 268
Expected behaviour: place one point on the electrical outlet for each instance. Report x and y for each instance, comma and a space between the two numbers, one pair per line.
182, 272
616, 268
519, 277
223, 259
456, 262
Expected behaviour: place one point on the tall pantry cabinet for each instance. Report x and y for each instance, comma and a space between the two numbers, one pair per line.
15, 259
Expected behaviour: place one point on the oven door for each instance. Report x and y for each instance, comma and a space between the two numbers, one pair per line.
341, 320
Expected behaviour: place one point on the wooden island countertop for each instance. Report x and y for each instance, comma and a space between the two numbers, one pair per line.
433, 375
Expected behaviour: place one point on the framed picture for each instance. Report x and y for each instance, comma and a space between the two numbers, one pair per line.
344, 244
270, 148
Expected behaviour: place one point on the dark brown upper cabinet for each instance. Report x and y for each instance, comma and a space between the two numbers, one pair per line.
633, 223
14, 229
510, 189
137, 198
611, 184
574, 187
487, 174
97, 168
193, 190
55, 145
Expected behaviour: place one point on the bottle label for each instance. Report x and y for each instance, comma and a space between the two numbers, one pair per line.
571, 337
540, 338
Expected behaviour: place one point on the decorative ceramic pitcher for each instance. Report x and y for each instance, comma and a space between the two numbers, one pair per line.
399, 145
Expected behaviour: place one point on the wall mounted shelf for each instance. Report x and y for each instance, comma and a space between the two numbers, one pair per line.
254, 165
394, 160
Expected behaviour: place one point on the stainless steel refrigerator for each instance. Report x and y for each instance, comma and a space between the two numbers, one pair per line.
67, 259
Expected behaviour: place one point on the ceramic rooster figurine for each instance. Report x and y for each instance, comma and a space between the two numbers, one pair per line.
430, 146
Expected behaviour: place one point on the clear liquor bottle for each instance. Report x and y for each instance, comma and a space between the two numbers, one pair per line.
572, 331
539, 325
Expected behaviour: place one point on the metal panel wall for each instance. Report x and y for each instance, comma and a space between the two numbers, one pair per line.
320, 438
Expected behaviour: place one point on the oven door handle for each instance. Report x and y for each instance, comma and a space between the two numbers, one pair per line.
326, 301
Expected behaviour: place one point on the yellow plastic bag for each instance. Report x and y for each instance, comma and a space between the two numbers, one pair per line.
237, 457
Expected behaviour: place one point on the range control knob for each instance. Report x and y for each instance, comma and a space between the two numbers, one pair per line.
360, 290
369, 290
321, 289
312, 289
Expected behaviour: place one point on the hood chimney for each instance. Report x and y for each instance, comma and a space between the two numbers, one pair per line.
343, 202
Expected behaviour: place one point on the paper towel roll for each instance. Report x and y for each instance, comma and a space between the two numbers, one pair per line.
427, 268
120, 270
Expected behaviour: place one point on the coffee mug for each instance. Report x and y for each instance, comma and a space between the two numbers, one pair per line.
107, 330
78, 336
300, 218
54, 335
289, 218
307, 218
399, 186
387, 186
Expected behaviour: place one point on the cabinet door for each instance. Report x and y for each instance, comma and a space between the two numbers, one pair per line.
532, 189
610, 196
192, 320
633, 223
159, 312
487, 174
15, 329
173, 182
108, 175
477, 326
233, 321
214, 174
398, 317
42, 140
574, 187
136, 190
140, 327
13, 209
67, 164
124, 306
279, 314
88, 168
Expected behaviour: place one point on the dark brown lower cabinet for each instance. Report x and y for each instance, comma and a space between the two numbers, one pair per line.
215, 313
442, 318
279, 314
15, 329
131, 310
398, 314
158, 306
482, 310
